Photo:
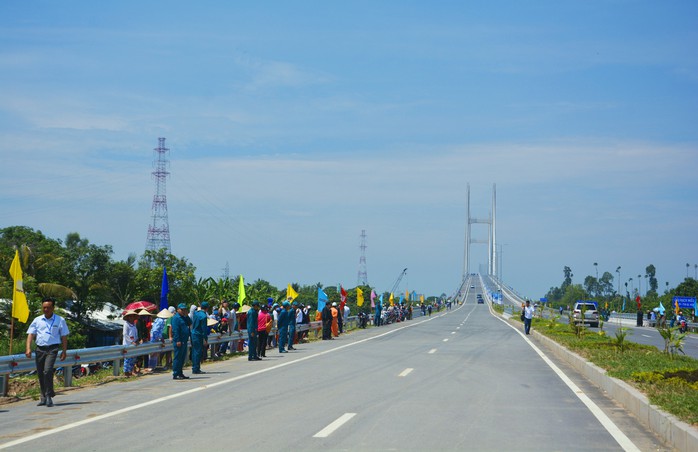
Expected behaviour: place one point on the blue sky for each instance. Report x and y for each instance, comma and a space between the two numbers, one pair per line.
295, 125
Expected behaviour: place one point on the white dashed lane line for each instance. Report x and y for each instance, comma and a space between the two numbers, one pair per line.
445, 340
405, 372
432, 351
327, 431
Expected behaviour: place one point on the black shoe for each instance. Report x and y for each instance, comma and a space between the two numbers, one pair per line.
42, 402
258, 359
292, 348
49, 402
198, 372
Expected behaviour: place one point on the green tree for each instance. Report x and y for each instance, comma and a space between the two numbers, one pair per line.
568, 278
651, 271
606, 284
180, 276
87, 271
573, 293
122, 280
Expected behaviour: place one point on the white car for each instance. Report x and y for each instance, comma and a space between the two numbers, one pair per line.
586, 312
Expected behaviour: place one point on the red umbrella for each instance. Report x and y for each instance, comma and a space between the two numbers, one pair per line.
148, 306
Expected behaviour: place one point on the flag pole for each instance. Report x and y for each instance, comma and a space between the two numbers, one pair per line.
12, 332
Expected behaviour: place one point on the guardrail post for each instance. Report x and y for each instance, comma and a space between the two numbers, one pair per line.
116, 367
4, 379
68, 376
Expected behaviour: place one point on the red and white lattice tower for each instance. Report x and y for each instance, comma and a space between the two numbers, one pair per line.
159, 229
362, 279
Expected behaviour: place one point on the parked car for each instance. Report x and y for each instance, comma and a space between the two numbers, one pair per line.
472, 286
586, 312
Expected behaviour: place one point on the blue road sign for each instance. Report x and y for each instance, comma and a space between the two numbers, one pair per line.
685, 302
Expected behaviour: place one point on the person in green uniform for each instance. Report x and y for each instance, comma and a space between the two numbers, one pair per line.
292, 325
199, 333
252, 321
180, 337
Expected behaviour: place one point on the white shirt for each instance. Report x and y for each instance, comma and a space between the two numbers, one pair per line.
299, 316
48, 331
528, 312
130, 333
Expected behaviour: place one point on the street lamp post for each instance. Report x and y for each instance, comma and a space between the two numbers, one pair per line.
618, 271
687, 267
639, 284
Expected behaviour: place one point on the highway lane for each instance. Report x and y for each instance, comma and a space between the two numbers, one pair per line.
457, 380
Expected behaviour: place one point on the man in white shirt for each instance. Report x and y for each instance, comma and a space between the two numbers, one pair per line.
528, 316
50, 331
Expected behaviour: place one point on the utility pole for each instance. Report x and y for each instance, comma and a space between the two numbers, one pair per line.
159, 229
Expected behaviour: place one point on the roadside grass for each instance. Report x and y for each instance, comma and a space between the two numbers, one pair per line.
669, 382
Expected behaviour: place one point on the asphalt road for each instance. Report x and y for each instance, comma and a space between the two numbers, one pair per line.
458, 380
650, 336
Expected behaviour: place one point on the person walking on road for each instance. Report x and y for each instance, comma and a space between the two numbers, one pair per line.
180, 336
50, 332
252, 324
528, 316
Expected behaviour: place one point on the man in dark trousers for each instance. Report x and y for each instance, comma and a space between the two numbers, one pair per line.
282, 325
199, 334
180, 337
51, 332
252, 323
326, 322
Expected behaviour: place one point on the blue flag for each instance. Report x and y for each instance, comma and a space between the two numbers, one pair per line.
321, 299
165, 289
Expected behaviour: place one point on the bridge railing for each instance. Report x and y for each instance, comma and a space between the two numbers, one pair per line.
19, 363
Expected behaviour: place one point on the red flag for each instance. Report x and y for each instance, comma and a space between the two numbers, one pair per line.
639, 304
343, 296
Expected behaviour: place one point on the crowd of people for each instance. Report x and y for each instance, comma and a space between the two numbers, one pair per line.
268, 325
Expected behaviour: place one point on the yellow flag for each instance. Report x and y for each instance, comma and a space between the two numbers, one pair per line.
290, 293
421, 298
359, 297
241, 291
20, 308
391, 299
407, 295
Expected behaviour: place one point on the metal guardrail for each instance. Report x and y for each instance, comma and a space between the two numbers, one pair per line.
19, 363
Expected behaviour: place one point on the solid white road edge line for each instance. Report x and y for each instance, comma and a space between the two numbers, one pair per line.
199, 388
604, 420
327, 431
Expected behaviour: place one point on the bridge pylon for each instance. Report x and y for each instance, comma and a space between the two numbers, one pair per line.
491, 241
